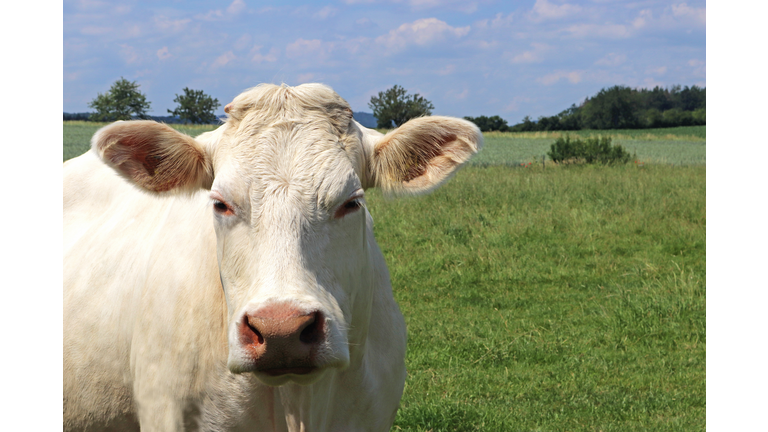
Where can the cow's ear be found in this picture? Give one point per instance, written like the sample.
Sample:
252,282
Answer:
154,156
421,154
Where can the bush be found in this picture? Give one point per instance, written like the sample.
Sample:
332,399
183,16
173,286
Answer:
591,150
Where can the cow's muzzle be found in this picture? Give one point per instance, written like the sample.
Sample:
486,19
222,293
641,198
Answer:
280,339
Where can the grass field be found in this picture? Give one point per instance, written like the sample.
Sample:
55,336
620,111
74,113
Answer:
558,299
552,300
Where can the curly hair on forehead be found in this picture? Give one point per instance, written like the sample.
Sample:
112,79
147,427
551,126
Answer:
266,103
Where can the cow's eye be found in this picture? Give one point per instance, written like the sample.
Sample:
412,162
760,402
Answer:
349,206
222,208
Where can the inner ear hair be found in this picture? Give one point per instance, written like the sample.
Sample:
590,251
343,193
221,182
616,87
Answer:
423,153
154,156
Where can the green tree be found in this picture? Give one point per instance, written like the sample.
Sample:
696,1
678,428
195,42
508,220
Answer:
396,105
123,101
195,107
487,124
527,125
612,108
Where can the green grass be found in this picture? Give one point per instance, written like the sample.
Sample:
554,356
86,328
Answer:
570,298
513,149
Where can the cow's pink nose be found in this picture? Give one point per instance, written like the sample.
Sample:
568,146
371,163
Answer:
281,339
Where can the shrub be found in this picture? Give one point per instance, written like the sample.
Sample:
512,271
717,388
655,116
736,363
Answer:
590,150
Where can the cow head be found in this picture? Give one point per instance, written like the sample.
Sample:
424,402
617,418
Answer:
287,175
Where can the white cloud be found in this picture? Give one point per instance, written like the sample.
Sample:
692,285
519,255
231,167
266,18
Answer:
355,46
163,53
676,16
447,70
399,72
544,10
167,24
95,31
421,32
129,54
682,10
416,5
485,45
642,20
211,15
609,31
242,42
460,5
302,47
650,83
526,57
498,21
325,13
90,5
72,76
612,59
223,59
533,56
258,57
574,77
661,70
236,7
306,78
514,105
699,68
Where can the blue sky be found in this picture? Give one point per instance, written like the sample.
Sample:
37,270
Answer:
469,57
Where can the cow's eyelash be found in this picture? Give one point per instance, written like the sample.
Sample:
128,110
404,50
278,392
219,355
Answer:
349,206
222,208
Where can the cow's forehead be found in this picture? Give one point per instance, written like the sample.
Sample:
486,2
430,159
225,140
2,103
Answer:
310,149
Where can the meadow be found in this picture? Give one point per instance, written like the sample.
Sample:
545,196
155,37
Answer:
557,298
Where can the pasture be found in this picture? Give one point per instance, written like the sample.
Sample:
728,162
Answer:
558,299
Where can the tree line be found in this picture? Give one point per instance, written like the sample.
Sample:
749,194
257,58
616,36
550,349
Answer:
618,107
124,101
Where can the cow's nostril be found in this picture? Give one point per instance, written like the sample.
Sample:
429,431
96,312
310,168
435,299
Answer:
312,333
259,338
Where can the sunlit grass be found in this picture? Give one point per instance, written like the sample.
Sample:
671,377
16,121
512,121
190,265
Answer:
571,298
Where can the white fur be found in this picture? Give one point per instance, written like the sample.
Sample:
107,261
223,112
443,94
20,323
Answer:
150,335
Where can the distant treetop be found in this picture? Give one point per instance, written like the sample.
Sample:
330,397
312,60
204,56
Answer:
123,101
396,106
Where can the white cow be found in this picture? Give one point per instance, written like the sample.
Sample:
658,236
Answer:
231,282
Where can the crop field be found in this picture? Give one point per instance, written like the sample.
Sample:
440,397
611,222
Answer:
565,298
